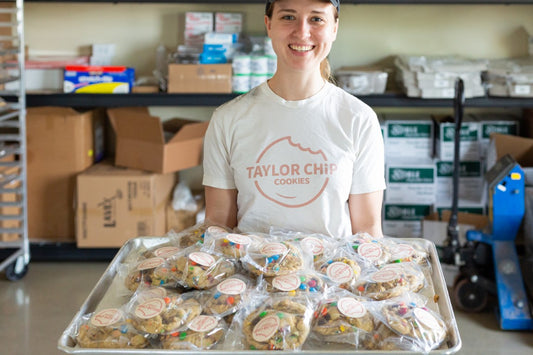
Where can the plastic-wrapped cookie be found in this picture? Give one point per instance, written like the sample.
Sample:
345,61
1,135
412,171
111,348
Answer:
164,314
391,281
273,258
228,296
109,329
281,325
150,272
342,271
373,250
406,252
164,251
423,326
200,270
231,245
201,333
295,283
343,319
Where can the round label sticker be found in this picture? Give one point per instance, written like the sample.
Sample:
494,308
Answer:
385,275
166,252
266,328
351,307
370,251
216,230
340,272
273,249
231,286
313,244
426,318
156,292
286,282
203,259
106,317
203,323
239,239
150,263
150,308
402,251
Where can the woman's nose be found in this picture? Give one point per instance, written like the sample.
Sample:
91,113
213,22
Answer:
302,28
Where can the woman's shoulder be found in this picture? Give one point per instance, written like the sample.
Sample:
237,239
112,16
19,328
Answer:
349,101
242,101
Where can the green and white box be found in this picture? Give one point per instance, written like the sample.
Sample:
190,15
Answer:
468,140
495,123
408,136
470,181
404,220
410,183
462,206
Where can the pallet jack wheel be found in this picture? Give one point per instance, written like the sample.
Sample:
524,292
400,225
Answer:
17,269
469,296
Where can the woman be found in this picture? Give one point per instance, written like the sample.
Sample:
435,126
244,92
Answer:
296,152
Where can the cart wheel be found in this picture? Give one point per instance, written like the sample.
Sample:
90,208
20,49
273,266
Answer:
469,296
17,269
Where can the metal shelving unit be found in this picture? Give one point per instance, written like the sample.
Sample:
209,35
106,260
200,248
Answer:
13,202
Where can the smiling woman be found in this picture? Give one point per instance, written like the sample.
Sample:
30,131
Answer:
297,151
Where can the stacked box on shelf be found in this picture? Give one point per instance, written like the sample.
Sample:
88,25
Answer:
469,146
434,77
495,123
510,77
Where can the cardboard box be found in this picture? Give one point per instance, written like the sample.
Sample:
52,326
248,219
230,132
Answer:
115,204
470,181
141,144
60,145
93,79
468,141
436,229
410,183
404,220
520,148
408,136
7,177
199,78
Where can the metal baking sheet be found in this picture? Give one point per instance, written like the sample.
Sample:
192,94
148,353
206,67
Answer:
109,289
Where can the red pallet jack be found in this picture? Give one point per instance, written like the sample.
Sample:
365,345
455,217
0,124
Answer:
488,262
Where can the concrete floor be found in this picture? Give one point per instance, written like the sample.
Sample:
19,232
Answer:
36,310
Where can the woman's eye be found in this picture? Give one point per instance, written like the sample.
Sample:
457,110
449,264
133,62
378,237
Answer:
317,19
287,17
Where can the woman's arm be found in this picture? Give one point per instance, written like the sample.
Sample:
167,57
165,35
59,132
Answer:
365,213
221,206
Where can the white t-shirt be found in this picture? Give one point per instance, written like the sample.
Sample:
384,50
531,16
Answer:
294,163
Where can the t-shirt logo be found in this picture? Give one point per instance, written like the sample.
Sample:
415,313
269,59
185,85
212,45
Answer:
289,174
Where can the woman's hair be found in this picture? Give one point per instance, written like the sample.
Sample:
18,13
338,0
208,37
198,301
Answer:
325,68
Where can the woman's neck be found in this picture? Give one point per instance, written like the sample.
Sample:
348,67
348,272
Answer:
295,86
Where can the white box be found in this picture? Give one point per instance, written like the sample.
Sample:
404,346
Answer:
408,136
404,220
38,80
468,144
103,49
196,25
470,181
410,183
228,22
497,123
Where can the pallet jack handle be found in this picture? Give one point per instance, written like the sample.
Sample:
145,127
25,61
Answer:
453,228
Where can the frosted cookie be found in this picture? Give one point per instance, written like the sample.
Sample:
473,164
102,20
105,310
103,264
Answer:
201,270
161,315
150,272
273,258
109,329
201,333
391,281
227,297
295,283
281,326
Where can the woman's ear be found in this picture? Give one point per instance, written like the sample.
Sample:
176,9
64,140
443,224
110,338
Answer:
267,24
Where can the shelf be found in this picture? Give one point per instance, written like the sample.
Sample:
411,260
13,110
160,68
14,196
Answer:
49,251
164,99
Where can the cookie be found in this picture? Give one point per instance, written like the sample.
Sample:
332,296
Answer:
406,252
424,327
295,283
233,245
161,315
109,329
345,315
192,236
201,333
164,251
274,258
201,270
227,297
391,281
149,272
282,326
342,271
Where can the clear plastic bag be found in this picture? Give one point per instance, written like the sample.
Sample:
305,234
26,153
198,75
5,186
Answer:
273,257
341,267
231,245
374,250
201,333
154,271
228,296
109,328
303,281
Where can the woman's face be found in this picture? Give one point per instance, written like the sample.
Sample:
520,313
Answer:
302,32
